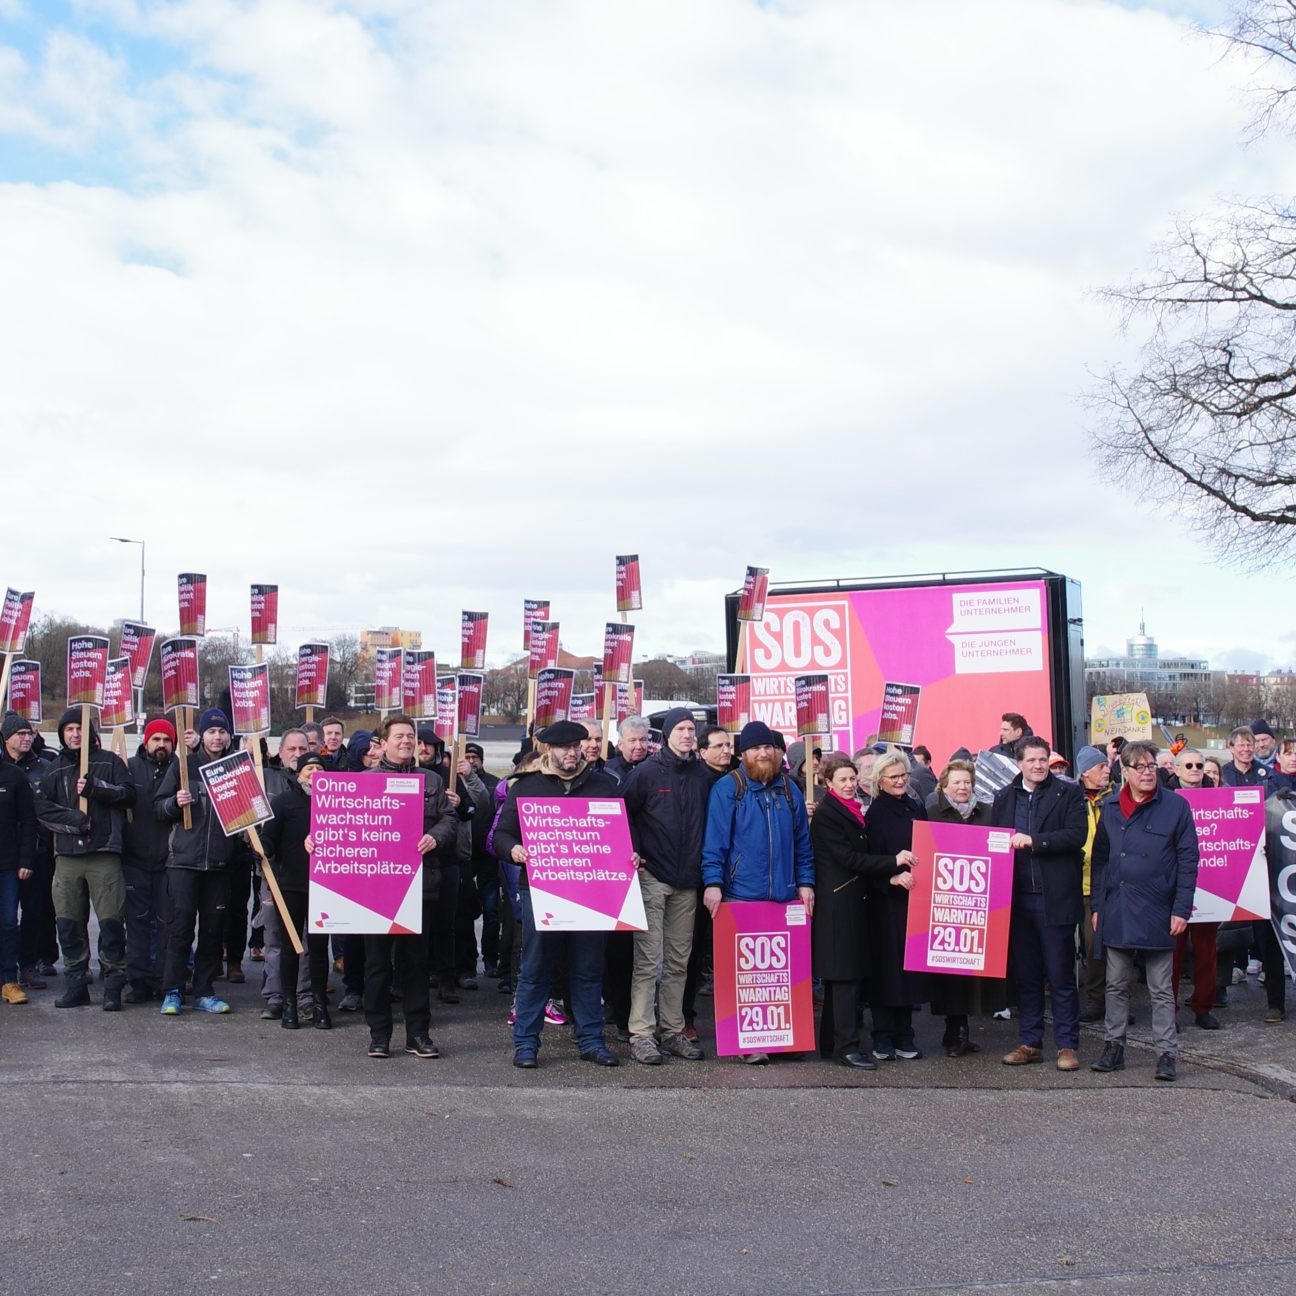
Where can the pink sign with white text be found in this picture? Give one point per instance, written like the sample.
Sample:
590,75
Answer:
1232,876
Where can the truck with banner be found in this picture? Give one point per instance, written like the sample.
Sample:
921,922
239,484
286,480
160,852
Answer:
930,659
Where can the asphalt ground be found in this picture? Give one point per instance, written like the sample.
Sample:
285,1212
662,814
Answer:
150,1155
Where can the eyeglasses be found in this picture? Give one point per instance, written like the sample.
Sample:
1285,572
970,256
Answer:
1143,769
1193,765
894,778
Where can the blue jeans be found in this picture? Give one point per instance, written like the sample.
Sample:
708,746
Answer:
540,951
1040,951
8,925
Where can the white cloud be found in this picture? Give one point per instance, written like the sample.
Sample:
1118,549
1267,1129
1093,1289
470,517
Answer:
488,293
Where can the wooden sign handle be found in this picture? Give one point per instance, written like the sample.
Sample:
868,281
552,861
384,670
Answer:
85,753
182,755
4,680
742,648
273,883
609,693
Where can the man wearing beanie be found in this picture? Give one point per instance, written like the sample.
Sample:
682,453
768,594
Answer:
197,870
562,772
757,841
666,801
17,857
1093,773
87,858
144,860
38,944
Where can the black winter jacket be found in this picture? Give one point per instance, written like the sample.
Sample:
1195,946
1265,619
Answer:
109,791
204,846
284,837
1059,826
17,819
147,838
666,801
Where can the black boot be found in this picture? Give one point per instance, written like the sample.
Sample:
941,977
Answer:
289,1019
960,1044
322,1019
75,994
113,986
1113,1057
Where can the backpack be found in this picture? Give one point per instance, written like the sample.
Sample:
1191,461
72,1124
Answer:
740,787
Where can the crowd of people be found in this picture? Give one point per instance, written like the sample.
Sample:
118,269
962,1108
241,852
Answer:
1104,870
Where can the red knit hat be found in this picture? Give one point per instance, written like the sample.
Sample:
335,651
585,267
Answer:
159,726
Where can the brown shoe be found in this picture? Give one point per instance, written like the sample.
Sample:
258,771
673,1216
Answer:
12,993
1023,1054
1067,1060
235,974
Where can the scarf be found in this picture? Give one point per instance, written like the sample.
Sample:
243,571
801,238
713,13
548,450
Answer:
852,805
1130,807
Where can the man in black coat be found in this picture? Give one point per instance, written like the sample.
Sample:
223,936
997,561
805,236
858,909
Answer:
87,858
563,772
666,801
1049,825
38,946
17,856
144,857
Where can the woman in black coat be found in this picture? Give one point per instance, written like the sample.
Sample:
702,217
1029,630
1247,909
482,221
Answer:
956,998
284,838
842,869
888,830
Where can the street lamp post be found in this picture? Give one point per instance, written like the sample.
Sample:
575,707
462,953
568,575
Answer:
139,695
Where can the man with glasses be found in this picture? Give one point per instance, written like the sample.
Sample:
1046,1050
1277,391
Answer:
1190,772
1049,825
1144,875
715,750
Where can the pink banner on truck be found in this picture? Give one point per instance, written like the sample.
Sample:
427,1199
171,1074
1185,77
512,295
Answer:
366,874
968,647
1232,876
961,900
579,864
764,998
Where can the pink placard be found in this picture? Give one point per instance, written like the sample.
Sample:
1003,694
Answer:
366,874
1232,876
579,864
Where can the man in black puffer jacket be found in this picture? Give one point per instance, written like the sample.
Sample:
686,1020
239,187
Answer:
666,801
87,858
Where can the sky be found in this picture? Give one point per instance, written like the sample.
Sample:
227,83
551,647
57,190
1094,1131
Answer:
413,307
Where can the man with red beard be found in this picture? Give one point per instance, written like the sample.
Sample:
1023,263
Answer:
757,844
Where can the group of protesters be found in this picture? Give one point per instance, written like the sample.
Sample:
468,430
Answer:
1104,872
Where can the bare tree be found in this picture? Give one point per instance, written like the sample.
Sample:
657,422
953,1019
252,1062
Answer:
1208,420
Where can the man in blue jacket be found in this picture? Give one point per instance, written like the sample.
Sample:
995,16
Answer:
1144,875
757,843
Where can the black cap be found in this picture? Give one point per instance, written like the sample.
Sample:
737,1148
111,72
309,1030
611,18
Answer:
474,749
311,758
563,734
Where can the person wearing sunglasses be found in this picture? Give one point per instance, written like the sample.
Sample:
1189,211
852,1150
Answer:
1190,772
1145,862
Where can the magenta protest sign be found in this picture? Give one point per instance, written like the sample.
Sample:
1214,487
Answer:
1232,877
250,698
755,590
961,900
312,674
265,614
419,684
812,712
118,708
543,652
191,591
553,696
388,668
447,708
533,610
366,874
472,640
618,647
584,706
470,704
629,583
733,702
237,797
137,644
764,998
898,719
15,617
179,659
87,670
579,864
25,691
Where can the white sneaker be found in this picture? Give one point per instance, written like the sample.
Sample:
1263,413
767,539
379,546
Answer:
1238,976
1254,967
1004,1014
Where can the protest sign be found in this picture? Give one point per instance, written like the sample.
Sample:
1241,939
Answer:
470,704
137,644
1280,846
544,648
250,698
447,708
472,640
532,610
179,660
366,874
579,864
265,614
626,705
553,696
584,707
419,684
755,590
629,586
811,692
1120,715
898,720
961,900
192,589
1232,880
87,670
733,702
237,797
388,686
25,691
15,618
118,709
618,648
764,998
312,676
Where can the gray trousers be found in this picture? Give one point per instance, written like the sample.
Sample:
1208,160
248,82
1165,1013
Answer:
267,916
1160,983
